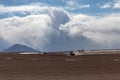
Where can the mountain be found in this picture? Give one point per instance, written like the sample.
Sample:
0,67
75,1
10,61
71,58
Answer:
20,48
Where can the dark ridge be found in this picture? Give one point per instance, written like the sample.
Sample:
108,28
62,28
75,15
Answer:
20,48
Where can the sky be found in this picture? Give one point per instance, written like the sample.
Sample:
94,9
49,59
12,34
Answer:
60,25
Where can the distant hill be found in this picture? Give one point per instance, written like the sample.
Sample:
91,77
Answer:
20,48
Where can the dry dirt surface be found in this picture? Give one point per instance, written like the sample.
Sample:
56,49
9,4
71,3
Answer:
59,67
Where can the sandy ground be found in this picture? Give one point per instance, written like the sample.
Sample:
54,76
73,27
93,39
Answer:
59,67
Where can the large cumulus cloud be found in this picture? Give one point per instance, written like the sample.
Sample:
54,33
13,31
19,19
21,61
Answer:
55,29
34,30
101,30
58,16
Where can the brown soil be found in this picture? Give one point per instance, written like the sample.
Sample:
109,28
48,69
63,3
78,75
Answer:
59,67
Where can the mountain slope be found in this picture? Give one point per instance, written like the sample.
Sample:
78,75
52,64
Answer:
20,48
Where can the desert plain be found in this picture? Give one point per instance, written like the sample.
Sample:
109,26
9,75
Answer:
14,66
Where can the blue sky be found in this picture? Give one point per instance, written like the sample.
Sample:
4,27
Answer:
94,7
52,2
55,25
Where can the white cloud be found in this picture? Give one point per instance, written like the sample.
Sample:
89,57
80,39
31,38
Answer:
57,29
33,9
74,4
32,30
85,6
107,5
59,16
76,25
117,4
36,8
104,30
